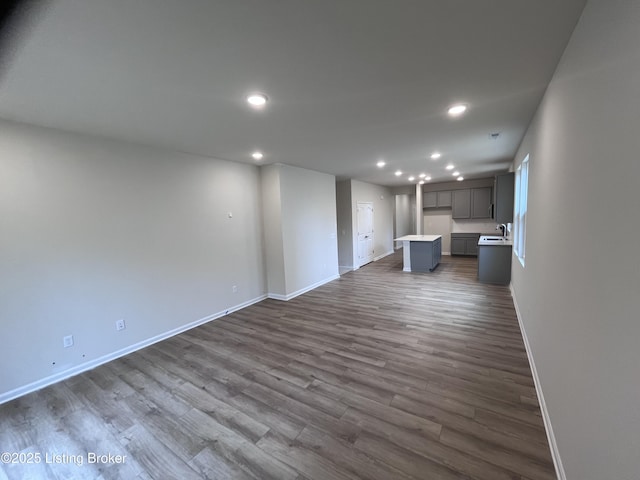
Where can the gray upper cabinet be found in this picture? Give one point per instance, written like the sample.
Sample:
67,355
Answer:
481,202
461,204
504,194
430,200
472,203
436,199
444,199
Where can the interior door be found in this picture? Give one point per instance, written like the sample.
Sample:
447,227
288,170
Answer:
364,214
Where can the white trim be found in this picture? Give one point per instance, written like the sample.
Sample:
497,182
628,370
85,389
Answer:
83,367
380,257
342,269
555,453
286,298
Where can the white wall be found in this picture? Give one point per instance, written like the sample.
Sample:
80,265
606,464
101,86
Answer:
578,293
94,231
383,208
438,222
300,229
345,224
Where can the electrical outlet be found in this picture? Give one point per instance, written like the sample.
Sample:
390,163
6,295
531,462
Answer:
234,289
120,324
67,341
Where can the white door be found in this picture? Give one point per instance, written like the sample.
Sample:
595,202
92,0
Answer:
364,214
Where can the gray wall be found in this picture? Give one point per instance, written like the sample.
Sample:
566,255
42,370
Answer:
349,193
404,224
94,231
345,224
309,228
301,248
578,293
383,202
272,228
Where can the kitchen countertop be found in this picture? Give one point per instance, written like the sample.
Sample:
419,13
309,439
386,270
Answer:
495,243
418,238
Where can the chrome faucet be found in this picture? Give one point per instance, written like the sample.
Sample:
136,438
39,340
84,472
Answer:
503,227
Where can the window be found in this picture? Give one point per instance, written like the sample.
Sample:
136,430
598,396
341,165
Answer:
520,219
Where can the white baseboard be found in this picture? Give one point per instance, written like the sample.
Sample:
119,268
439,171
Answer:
83,367
555,453
379,257
286,298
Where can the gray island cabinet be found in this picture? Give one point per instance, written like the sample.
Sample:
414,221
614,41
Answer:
420,253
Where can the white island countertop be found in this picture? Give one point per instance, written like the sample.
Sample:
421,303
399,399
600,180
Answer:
418,238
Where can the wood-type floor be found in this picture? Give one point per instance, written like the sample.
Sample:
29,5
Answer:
378,375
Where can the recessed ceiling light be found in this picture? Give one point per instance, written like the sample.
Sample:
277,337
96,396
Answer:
412,178
457,110
456,173
422,175
450,167
421,182
257,100
435,155
257,155
381,164
460,178
398,173
427,179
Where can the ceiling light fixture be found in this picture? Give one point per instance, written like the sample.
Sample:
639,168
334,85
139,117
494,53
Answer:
381,164
421,182
412,178
398,173
456,173
257,155
435,155
450,167
422,175
460,178
457,110
257,100
427,179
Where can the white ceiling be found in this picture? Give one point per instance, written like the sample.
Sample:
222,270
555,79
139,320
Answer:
349,81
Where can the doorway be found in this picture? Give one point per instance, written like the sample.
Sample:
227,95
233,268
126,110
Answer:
364,220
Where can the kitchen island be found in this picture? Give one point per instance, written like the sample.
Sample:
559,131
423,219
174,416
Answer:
420,253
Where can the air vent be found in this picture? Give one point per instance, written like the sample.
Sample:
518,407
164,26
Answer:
494,136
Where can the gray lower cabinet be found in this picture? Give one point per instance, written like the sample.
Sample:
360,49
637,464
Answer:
494,264
425,256
464,243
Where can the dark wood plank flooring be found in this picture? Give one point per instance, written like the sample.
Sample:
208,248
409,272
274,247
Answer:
378,375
